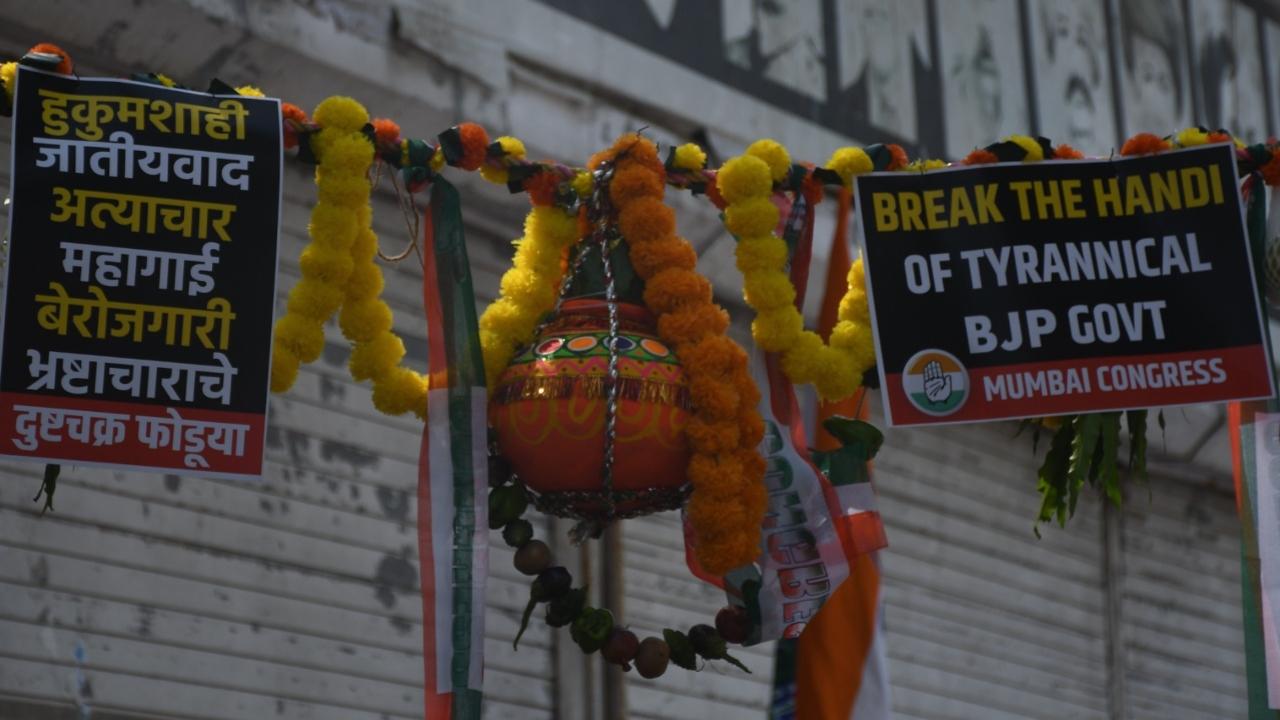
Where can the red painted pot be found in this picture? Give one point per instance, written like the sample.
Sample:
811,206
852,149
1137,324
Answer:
548,412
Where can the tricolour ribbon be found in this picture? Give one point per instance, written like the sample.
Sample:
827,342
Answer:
453,523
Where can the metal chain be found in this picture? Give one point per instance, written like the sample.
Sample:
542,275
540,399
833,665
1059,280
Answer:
599,206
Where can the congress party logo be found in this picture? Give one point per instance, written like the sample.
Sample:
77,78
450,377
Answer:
935,382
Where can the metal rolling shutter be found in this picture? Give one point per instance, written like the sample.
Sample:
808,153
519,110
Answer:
1183,640
983,619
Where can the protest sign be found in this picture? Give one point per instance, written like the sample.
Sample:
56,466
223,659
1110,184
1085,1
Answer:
140,277
1033,289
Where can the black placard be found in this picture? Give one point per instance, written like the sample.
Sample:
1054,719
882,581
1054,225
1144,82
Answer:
141,275
1022,290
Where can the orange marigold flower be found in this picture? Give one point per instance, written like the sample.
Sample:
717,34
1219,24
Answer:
387,131
1066,152
1271,170
980,156
899,157
719,518
713,397
633,181
715,354
631,147
715,472
542,188
1144,144
713,193
652,257
63,67
646,220
1220,136
292,116
690,324
674,288
747,389
750,425
711,436
475,145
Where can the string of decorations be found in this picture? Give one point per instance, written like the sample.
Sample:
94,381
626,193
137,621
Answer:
595,629
725,469
340,275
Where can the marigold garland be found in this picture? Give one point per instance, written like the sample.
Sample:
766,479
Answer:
338,271
528,289
725,469
835,368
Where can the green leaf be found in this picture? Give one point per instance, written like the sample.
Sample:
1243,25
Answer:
1109,470
1082,449
1052,477
48,486
591,630
524,623
682,653
1136,420
855,434
737,663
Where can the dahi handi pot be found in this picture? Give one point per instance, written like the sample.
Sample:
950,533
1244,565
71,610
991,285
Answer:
548,413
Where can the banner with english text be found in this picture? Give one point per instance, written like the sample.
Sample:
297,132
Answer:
140,276
1032,289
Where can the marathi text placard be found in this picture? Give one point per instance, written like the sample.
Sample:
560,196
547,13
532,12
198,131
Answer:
141,276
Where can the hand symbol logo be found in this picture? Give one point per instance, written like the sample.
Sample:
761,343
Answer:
937,385
935,382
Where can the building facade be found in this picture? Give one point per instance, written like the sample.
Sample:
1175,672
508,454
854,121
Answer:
167,596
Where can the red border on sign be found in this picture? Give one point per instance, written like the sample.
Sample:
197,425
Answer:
1245,368
59,445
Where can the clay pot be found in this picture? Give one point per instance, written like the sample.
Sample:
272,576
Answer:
548,413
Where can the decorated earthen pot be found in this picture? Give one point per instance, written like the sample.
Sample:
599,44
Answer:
548,413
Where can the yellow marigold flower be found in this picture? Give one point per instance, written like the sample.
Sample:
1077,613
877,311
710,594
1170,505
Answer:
774,155
511,148
744,177
341,113
314,299
834,381
284,369
583,183
848,162
1035,153
437,160
363,320
768,289
926,165
400,391
763,252
246,90
370,360
167,81
775,330
1191,137
748,218
9,74
690,157
302,337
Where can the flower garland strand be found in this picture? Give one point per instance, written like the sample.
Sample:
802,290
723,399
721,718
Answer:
746,184
726,470
339,271
528,289
344,158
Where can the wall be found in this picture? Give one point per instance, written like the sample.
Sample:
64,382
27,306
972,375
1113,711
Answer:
150,596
